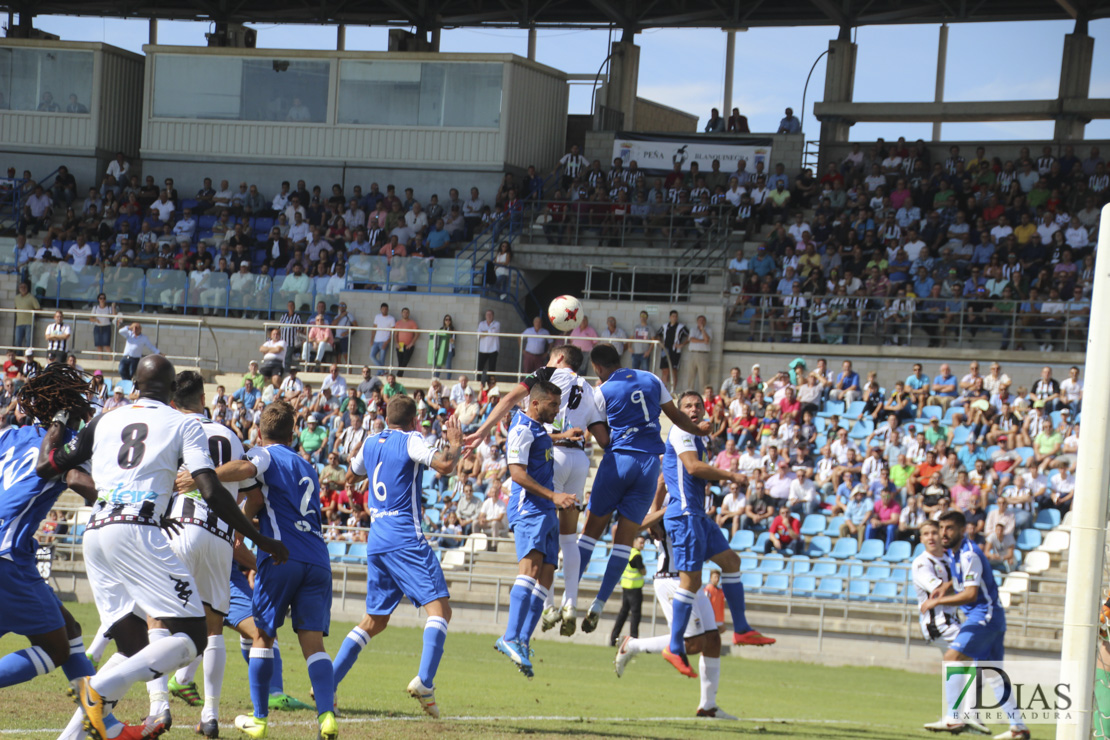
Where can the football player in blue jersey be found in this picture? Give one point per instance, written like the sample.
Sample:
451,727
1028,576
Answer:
695,537
983,630
533,518
283,490
30,607
626,478
399,560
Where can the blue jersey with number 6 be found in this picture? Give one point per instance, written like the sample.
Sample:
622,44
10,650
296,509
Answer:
632,405
291,491
394,462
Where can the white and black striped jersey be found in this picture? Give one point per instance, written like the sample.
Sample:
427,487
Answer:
579,405
664,554
928,573
190,508
136,451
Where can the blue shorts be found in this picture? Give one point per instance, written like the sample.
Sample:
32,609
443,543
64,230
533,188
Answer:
538,532
30,606
694,540
413,572
980,641
301,588
625,482
241,607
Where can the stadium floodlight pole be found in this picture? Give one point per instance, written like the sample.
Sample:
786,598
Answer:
1088,528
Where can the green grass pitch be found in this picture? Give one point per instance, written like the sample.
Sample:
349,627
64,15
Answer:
575,693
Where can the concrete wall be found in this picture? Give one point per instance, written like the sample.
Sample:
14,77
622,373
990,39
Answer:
652,116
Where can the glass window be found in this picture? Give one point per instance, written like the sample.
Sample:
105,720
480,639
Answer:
238,89
432,94
47,80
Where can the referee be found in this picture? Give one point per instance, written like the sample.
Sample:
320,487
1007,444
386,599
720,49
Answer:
289,331
632,593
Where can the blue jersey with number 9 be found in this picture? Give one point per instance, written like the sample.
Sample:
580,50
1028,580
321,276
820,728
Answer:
632,406
393,462
291,491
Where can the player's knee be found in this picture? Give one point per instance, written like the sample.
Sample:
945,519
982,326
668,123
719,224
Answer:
712,648
695,645
729,561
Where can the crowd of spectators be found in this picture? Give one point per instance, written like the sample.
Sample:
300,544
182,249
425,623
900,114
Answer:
884,460
888,239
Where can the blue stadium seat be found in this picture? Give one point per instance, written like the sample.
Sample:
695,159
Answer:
885,592
356,553
760,540
773,563
961,436
595,570
823,568
428,479
337,550
950,414
846,547
821,423
127,386
752,581
855,409
776,583
877,572
830,588
862,429
1026,454
800,565
917,550
819,546
814,524
898,552
748,563
205,222
833,407
742,540
858,590
433,515
850,570
601,552
871,550
833,530
804,586
1029,539
1047,519
262,223
930,412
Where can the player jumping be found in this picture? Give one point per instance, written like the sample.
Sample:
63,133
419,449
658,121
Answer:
399,560
579,411
980,637
532,517
133,571
626,479
284,491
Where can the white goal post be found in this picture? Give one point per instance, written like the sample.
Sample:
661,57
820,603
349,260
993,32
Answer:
1088,520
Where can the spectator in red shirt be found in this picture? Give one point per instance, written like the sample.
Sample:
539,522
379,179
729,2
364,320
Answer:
785,533
790,407
12,366
883,524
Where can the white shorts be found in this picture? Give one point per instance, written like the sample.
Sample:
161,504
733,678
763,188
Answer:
571,468
133,570
208,558
702,619
947,634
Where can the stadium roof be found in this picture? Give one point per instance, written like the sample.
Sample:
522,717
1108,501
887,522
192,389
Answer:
632,15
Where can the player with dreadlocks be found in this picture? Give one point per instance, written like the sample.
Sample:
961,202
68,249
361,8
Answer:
30,607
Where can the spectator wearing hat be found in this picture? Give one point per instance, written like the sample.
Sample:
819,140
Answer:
314,438
857,514
117,400
468,411
30,367
254,375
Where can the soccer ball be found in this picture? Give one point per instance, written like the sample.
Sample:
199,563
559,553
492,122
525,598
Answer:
564,313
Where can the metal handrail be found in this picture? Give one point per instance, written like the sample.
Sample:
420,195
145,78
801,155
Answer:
680,278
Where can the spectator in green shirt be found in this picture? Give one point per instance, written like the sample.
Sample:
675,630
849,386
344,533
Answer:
254,376
314,438
392,387
900,474
352,403
935,432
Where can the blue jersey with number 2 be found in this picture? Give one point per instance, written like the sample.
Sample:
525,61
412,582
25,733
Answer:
291,490
632,406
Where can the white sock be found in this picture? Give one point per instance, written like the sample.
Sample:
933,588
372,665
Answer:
188,674
159,688
163,656
572,560
952,688
99,643
597,605
549,602
648,644
709,673
1009,706
215,659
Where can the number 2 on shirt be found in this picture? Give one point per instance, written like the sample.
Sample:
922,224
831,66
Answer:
638,397
306,499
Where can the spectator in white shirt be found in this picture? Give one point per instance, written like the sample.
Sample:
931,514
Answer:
534,345
382,337
458,391
732,508
491,516
803,493
186,227
164,207
1071,390
133,349
119,167
489,344
615,335
57,335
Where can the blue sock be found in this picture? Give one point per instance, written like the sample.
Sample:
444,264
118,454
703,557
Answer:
23,665
586,547
322,677
733,590
520,599
260,671
78,664
435,635
532,617
682,605
618,560
345,659
277,683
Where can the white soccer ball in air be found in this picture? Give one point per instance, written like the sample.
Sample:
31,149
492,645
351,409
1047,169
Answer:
565,312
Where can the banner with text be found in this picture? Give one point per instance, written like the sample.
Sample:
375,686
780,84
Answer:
657,154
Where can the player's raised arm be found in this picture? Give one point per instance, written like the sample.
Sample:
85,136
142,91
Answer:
503,407
445,460
236,471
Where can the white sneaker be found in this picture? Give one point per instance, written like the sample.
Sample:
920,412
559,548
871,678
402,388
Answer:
976,726
715,713
427,697
945,725
620,662
1014,733
550,617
